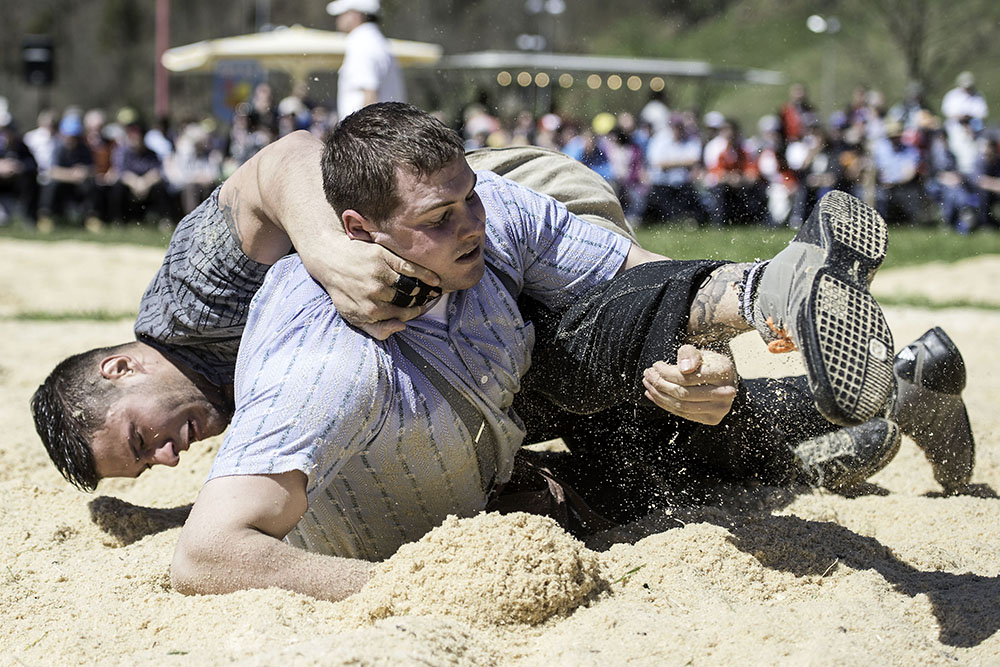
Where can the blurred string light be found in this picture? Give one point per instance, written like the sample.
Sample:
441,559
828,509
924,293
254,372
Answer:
527,42
536,42
553,7
567,80
823,24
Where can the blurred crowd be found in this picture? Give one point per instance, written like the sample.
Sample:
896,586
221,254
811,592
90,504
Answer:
916,163
84,167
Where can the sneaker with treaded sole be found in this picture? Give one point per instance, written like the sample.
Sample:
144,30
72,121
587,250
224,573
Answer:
847,456
813,296
930,376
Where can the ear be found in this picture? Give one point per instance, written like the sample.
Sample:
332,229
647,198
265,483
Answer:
118,366
358,227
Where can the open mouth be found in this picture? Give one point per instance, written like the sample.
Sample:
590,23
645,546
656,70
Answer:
471,255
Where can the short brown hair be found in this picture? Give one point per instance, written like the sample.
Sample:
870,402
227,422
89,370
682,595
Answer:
362,154
69,407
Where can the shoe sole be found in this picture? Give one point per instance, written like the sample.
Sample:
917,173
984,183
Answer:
844,338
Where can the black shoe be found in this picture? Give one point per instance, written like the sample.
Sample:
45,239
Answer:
813,296
847,456
930,375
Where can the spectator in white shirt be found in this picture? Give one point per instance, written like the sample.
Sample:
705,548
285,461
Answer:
964,101
43,142
369,72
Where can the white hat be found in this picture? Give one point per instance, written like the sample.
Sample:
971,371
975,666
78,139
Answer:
714,120
338,7
290,106
769,123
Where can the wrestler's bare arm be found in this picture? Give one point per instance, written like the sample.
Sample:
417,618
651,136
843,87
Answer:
275,200
232,541
638,255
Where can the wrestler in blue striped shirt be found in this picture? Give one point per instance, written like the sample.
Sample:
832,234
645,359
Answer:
386,456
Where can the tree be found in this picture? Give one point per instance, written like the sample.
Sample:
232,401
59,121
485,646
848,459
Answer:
935,36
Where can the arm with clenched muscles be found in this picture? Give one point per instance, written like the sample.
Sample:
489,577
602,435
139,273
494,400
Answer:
275,200
232,541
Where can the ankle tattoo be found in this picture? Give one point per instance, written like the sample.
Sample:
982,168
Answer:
711,321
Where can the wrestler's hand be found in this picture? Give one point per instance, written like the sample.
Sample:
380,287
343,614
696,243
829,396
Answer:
363,288
700,387
292,211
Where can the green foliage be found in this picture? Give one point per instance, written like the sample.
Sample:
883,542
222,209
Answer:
695,11
119,19
881,44
41,21
105,51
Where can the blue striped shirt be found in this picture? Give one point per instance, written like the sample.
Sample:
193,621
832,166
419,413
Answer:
387,458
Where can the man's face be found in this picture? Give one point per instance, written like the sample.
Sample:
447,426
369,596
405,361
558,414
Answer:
133,136
159,413
349,20
440,225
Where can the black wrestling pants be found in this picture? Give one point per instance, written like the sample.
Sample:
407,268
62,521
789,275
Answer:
584,385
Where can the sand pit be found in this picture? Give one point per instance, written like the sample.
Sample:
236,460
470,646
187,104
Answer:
892,573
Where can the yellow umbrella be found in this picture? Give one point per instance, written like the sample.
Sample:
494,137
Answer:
295,50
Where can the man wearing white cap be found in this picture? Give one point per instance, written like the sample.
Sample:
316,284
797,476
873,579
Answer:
369,73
